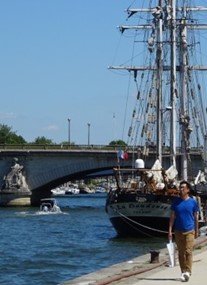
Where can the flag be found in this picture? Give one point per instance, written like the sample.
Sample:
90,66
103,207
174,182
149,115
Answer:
126,156
122,154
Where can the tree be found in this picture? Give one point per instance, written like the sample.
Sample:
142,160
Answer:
67,143
15,139
118,142
43,140
7,136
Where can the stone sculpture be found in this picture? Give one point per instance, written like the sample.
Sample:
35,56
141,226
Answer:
15,180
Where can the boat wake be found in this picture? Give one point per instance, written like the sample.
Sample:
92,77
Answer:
40,213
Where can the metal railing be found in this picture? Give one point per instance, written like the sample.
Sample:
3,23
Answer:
92,147
59,147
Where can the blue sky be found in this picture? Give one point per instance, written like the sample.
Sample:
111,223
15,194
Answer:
53,66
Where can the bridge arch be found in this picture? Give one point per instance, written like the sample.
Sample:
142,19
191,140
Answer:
45,169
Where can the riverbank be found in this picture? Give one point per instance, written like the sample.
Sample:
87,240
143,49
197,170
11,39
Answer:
141,269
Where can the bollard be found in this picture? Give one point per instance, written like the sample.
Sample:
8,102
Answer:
154,256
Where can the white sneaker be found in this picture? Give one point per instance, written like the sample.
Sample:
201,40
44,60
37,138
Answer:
182,278
186,275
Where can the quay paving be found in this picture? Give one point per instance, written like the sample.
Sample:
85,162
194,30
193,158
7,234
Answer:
141,271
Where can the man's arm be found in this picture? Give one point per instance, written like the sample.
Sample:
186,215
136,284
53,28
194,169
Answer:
196,224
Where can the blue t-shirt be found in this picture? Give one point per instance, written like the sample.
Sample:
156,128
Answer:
184,213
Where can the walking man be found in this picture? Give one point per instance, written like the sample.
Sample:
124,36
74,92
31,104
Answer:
184,222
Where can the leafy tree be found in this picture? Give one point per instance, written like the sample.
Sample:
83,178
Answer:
15,139
118,142
7,136
43,140
66,143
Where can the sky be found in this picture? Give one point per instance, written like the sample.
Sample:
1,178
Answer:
54,56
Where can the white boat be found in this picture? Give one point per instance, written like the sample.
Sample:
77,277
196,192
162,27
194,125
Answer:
168,121
72,189
100,189
58,191
49,205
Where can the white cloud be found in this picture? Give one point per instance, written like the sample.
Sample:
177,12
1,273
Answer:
8,115
50,128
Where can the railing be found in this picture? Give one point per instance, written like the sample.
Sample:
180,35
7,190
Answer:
60,147
72,147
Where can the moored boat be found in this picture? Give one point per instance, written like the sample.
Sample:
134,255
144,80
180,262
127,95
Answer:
168,120
72,189
100,189
58,191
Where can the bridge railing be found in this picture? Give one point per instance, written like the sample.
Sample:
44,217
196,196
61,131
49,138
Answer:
92,147
60,147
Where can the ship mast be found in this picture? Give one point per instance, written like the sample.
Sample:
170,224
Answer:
184,117
169,19
159,84
184,68
173,84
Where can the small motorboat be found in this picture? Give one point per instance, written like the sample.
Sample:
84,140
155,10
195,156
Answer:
49,205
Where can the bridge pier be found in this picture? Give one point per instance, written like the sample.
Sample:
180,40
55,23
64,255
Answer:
39,194
15,199
18,198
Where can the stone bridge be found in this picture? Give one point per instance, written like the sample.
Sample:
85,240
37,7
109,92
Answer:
44,169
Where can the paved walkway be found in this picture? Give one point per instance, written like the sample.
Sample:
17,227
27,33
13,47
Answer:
168,276
140,271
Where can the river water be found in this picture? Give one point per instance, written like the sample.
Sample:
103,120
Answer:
48,249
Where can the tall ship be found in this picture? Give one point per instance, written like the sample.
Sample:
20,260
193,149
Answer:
167,135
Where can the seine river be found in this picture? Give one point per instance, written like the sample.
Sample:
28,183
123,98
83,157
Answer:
48,249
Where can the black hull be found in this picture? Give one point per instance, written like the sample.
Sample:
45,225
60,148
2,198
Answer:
139,215
141,227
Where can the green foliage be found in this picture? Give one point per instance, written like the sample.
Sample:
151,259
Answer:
7,136
15,139
43,140
118,142
67,143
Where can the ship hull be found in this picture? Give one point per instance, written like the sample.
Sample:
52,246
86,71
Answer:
137,215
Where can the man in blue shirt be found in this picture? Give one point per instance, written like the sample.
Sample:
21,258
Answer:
184,221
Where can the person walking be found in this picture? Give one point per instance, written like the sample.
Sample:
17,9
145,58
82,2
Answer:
184,221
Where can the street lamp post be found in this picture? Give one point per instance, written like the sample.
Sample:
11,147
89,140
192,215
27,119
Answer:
69,131
89,134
